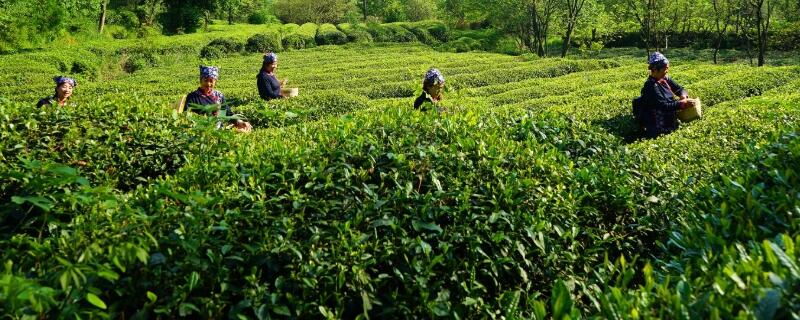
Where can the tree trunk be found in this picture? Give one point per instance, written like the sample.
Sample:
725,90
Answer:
230,15
151,14
749,44
365,11
575,7
720,37
101,24
763,31
762,50
566,41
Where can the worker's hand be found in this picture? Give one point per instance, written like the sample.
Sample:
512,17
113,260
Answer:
284,82
687,103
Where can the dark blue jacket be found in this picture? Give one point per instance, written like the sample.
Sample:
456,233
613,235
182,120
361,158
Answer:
268,86
199,98
659,98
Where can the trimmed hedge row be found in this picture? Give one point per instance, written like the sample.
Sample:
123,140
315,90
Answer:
356,33
329,34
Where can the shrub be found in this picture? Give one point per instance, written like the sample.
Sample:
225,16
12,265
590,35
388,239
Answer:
437,29
421,34
296,41
328,34
117,32
378,32
147,32
464,44
227,44
508,45
400,34
219,48
300,37
84,67
355,33
263,42
289,28
390,33
141,59
308,29
209,53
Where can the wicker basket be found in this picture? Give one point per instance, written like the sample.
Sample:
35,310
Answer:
180,105
691,113
290,92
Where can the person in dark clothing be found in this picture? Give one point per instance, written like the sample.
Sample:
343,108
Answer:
64,87
268,85
661,99
432,90
206,95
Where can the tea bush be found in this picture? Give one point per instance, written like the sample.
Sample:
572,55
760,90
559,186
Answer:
355,33
264,42
390,33
300,37
222,47
328,34
528,195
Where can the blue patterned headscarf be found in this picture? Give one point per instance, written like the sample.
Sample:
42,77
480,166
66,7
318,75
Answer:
433,77
270,57
657,61
209,72
59,80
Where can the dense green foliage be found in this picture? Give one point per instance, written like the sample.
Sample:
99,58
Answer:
543,27
527,197
329,34
265,42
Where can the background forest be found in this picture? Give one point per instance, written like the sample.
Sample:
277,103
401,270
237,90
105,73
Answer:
543,27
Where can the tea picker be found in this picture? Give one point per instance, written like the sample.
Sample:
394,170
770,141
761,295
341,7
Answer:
206,96
269,87
63,91
663,101
432,91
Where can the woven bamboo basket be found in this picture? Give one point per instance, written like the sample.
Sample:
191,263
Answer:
290,92
691,113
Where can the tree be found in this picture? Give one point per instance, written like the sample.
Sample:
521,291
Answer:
457,10
103,10
762,15
317,11
184,15
649,14
24,24
417,10
540,13
528,20
230,7
574,8
723,16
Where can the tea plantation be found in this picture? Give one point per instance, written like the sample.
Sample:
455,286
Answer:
528,197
